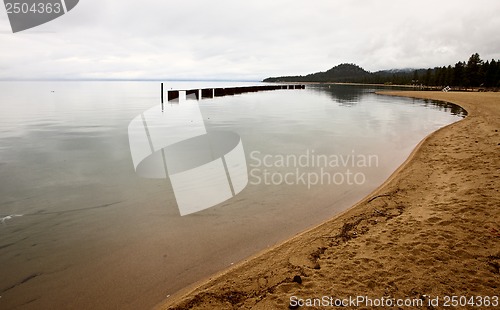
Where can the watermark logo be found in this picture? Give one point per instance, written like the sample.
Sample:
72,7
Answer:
205,168
310,168
26,14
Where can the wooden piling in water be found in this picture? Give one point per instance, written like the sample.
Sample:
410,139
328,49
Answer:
219,92
172,95
191,92
239,90
207,93
161,92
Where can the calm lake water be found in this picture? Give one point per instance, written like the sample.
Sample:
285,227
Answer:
81,229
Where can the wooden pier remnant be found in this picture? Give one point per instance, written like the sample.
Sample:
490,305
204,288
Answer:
161,92
205,93
219,92
193,94
172,95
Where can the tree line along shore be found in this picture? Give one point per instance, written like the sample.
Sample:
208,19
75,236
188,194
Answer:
474,74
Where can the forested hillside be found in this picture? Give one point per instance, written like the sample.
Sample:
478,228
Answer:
464,74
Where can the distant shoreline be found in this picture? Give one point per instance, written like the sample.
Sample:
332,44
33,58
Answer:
413,87
436,218
340,83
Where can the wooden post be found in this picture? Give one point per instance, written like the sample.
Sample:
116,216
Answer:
172,95
161,92
207,93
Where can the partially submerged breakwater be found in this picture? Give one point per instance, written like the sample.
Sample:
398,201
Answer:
207,93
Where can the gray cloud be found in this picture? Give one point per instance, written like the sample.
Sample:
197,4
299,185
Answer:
247,40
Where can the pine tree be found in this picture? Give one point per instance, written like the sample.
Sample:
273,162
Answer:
459,75
492,77
427,77
473,70
448,76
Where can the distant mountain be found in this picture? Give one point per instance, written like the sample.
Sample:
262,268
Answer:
463,75
341,73
351,73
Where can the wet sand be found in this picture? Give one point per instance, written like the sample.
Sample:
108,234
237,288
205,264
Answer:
432,229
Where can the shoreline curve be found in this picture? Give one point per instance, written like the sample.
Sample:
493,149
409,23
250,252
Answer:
405,226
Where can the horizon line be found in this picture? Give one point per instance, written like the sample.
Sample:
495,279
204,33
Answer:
125,80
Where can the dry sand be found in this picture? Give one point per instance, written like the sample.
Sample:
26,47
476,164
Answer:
432,229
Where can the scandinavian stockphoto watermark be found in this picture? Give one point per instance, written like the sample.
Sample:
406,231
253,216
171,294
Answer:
422,302
355,301
206,167
310,168
26,14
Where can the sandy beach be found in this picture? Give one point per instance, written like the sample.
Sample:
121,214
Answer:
431,230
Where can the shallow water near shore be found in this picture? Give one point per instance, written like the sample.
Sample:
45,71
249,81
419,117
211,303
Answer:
80,229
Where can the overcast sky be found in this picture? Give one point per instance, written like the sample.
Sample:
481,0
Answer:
231,39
